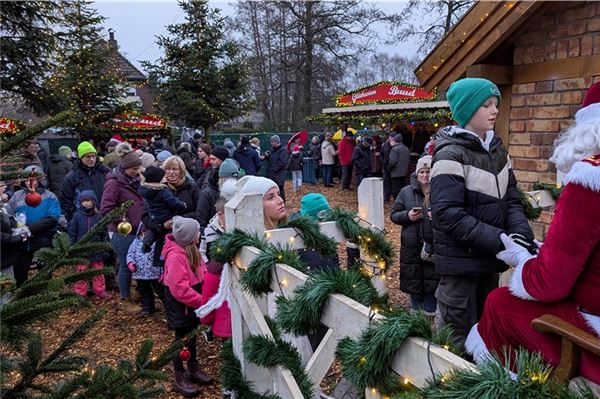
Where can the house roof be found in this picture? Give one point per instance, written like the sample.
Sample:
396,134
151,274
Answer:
475,36
131,72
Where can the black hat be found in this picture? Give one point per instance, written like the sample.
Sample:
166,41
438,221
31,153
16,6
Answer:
153,174
197,136
244,140
220,152
368,140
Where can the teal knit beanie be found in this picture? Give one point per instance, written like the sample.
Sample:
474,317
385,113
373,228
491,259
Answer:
465,96
314,205
84,148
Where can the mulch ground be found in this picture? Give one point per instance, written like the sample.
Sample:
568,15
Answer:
118,334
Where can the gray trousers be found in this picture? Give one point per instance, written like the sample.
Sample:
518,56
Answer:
460,302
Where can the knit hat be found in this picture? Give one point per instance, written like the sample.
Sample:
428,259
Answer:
147,159
220,152
129,158
64,150
368,140
590,108
275,138
197,136
153,174
185,230
423,162
229,168
33,169
84,148
255,185
112,143
244,140
314,205
465,96
296,149
163,155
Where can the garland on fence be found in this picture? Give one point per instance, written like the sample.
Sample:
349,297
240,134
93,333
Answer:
531,213
270,352
554,191
302,313
310,232
367,360
490,381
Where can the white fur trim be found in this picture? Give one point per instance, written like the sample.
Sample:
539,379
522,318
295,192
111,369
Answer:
516,286
475,346
586,175
589,114
592,321
217,301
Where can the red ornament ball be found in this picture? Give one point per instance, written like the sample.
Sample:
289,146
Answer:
184,354
33,199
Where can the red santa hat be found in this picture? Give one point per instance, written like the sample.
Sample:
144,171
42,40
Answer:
590,108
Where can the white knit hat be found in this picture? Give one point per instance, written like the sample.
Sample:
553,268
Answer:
423,162
254,185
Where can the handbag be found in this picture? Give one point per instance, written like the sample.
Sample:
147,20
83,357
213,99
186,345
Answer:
427,254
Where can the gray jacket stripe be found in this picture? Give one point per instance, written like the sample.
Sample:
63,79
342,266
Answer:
447,167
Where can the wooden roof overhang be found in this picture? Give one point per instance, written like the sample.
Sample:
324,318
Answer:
386,107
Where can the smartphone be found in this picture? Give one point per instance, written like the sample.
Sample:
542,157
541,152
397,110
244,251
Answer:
417,209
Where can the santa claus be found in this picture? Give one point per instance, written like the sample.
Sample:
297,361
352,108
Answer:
563,279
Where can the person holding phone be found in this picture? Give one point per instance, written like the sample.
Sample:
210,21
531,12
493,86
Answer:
417,270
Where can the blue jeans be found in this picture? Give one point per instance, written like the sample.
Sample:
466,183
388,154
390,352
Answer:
120,244
296,179
327,174
427,302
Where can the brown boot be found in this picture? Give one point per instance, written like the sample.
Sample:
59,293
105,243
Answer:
183,386
196,376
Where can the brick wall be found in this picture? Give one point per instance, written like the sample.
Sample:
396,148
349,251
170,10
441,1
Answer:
541,110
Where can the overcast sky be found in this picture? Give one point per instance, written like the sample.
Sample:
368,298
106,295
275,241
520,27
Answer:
136,23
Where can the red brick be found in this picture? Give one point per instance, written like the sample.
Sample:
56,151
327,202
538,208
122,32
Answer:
547,20
544,87
526,176
543,99
543,138
528,55
567,124
532,38
574,47
586,45
551,112
538,53
525,88
576,14
596,45
593,25
518,56
550,52
572,84
520,113
517,101
571,97
562,48
542,126
546,151
559,31
545,217
517,126
519,138
524,151
538,165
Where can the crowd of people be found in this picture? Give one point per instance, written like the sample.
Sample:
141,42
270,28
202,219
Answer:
461,215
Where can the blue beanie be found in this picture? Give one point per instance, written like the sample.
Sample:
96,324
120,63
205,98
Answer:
314,205
465,96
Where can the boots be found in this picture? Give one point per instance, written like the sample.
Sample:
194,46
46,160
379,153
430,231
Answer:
182,385
193,374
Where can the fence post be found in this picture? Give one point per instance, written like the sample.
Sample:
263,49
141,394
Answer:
370,208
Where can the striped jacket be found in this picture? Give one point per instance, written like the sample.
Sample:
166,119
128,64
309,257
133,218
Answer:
474,198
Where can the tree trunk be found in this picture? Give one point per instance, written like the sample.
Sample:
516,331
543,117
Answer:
308,65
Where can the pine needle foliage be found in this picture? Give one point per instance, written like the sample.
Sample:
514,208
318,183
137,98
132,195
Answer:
310,232
531,213
233,379
270,352
301,313
226,246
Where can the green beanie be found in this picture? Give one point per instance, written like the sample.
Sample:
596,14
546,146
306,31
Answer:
64,150
465,96
84,148
314,205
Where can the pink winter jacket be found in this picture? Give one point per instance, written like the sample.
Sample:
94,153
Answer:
220,318
179,276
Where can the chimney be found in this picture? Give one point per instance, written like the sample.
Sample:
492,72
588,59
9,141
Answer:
111,39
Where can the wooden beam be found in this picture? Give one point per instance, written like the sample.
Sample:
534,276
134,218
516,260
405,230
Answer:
499,74
323,358
558,69
503,120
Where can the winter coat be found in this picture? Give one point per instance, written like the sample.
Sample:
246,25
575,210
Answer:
328,153
183,287
111,160
277,165
314,151
416,275
44,159
78,179
160,201
83,220
200,172
207,199
295,163
361,159
474,198
145,268
220,318
248,159
386,148
398,160
118,189
346,150
210,234
187,159
10,242
58,169
41,220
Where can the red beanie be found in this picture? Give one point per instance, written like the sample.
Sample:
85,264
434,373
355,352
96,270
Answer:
590,108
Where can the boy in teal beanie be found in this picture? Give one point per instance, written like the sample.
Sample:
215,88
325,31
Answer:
474,199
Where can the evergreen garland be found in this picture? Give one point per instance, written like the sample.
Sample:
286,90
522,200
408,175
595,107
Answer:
267,352
225,247
302,313
531,213
366,361
554,191
312,236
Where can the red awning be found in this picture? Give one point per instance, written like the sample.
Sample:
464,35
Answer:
10,126
137,122
385,93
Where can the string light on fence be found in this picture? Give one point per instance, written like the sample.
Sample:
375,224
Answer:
406,381
268,234
284,282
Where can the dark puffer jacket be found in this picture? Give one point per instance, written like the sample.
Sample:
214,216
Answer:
58,168
207,199
83,220
79,179
416,275
248,159
474,198
277,165
361,159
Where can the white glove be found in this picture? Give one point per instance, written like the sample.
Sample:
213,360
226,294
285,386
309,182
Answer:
513,254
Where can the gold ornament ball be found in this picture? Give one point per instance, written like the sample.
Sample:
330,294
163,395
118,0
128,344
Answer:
124,228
